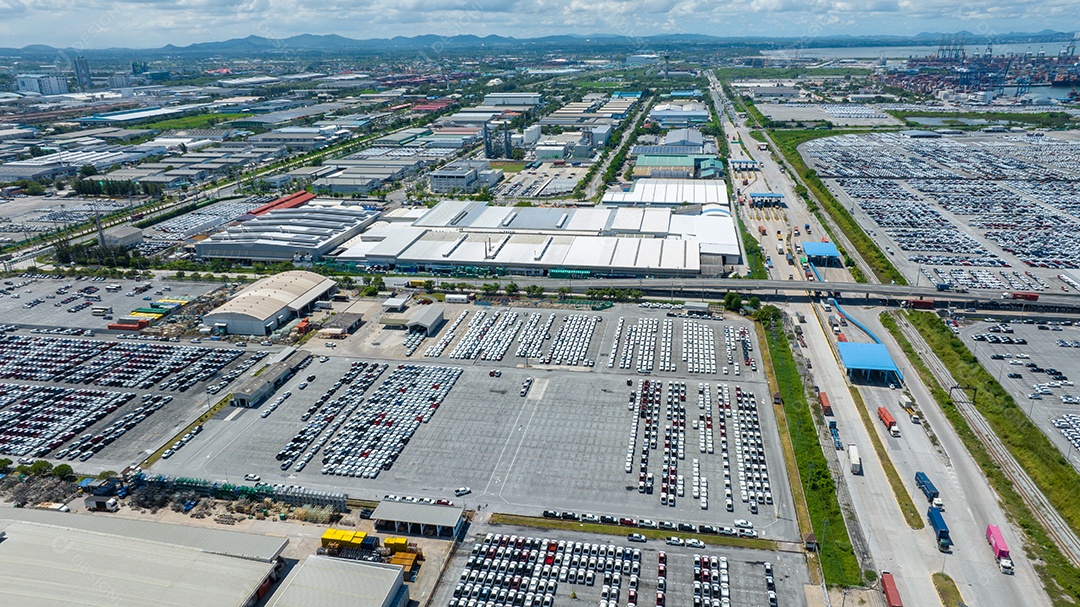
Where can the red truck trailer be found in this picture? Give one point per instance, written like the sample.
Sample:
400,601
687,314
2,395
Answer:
888,586
889,421
826,406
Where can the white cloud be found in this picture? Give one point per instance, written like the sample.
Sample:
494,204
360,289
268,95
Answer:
153,23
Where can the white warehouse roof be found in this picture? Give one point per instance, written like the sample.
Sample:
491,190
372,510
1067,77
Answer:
672,192
263,299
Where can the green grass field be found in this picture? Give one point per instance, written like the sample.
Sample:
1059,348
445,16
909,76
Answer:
198,121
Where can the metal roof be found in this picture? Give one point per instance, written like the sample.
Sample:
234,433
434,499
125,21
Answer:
266,297
423,514
53,558
866,357
331,582
820,249
429,317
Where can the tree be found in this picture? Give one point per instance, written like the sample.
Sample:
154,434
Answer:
107,474
767,315
534,291
87,170
732,301
489,288
511,288
755,302
40,468
429,285
5,464
63,471
563,292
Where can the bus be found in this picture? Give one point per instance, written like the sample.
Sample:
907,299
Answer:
101,310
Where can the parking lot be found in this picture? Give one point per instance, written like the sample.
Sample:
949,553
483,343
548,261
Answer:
1003,205
546,181
1026,370
46,302
102,403
26,216
548,436
538,567
845,114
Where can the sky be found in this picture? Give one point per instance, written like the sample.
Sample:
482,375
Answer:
84,24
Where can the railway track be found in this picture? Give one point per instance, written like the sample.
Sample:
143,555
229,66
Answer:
1040,506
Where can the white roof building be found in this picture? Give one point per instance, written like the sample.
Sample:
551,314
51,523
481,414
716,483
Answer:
270,302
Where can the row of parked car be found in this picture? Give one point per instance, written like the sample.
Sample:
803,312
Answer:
40,419
742,527
376,433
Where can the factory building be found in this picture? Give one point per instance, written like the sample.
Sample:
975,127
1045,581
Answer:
130,563
512,99
270,302
638,241
774,93
679,114
302,234
123,236
334,582
466,176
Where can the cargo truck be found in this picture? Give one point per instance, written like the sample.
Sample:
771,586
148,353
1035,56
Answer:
929,490
941,530
888,586
1027,296
889,421
761,230
826,406
1000,548
100,503
53,506
807,226
943,286
856,461
921,304
908,406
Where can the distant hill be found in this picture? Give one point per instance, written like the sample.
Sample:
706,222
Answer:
333,43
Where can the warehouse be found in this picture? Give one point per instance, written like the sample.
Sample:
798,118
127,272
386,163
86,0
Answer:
300,234
268,303
428,321
676,115
123,236
332,582
531,240
419,518
671,192
52,558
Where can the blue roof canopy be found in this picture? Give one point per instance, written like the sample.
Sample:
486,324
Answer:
820,249
867,357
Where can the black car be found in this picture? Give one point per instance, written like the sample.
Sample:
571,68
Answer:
608,520
1014,376
551,514
688,527
570,516
706,529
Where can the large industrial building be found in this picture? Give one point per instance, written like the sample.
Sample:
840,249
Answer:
53,558
298,234
637,241
268,303
466,176
332,582
679,114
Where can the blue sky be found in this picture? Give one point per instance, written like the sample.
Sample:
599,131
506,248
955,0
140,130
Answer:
153,23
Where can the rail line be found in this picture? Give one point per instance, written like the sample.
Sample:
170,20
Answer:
1040,506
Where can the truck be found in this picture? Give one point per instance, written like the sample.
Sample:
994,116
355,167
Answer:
929,490
1024,295
889,421
416,283
826,406
888,587
101,503
790,260
943,286
807,227
920,304
940,529
57,506
856,461
779,249
840,337
101,310
1000,548
909,406
833,322
761,230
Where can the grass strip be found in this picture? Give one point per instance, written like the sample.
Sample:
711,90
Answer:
499,518
1058,575
903,498
947,590
211,412
838,561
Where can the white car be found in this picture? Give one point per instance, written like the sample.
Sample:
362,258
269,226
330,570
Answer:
675,541
460,491
743,523
252,477
695,543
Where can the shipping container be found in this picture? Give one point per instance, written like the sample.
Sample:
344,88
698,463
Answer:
920,304
1000,548
889,421
888,587
826,406
841,337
